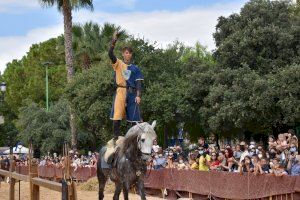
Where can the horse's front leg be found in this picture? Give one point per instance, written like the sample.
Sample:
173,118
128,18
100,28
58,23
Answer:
126,188
117,191
141,189
102,178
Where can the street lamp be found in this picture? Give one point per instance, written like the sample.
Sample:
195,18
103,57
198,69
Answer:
19,146
3,87
46,65
3,90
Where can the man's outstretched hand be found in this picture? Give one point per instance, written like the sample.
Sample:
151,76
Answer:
115,37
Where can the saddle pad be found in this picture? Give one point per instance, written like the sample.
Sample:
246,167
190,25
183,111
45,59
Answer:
110,148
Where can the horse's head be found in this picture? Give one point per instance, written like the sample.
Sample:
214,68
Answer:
145,136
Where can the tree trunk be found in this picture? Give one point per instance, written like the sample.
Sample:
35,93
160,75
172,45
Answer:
86,61
67,13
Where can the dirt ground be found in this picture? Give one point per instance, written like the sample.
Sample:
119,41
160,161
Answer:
46,194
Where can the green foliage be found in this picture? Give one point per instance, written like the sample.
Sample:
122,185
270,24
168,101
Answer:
46,130
90,41
8,133
25,78
90,94
263,37
75,4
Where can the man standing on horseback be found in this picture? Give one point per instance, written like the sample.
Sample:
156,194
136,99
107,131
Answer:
128,81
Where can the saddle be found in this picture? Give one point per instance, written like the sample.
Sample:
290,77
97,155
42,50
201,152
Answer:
111,148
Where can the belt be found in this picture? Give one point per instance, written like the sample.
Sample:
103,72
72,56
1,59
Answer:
129,89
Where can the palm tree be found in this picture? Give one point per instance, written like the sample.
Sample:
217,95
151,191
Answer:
90,42
66,7
87,43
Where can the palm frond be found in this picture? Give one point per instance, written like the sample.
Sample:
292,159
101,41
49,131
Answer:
77,4
47,3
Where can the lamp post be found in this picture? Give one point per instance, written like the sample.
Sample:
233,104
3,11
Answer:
3,90
19,146
3,87
46,65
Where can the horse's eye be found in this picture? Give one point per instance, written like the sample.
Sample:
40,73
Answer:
143,140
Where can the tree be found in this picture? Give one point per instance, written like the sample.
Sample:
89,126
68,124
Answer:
66,6
264,36
91,42
25,78
165,94
46,130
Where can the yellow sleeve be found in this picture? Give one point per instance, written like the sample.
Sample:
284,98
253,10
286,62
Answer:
208,158
116,65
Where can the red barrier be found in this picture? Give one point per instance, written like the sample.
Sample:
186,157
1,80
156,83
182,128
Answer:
223,184
217,184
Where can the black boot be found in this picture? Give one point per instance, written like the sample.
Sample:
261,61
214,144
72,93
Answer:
116,129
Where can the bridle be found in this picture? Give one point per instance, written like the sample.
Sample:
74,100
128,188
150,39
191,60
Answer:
139,146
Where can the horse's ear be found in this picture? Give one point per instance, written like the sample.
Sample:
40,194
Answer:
153,124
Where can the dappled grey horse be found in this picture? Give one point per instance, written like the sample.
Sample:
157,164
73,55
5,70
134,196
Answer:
128,167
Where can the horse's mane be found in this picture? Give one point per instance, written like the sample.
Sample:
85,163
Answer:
130,144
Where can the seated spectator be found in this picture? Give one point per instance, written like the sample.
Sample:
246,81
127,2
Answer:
170,162
293,143
193,162
294,165
201,143
244,150
171,154
257,166
215,163
237,152
265,166
155,146
204,160
272,153
272,143
159,161
246,165
222,160
229,159
281,143
181,164
278,169
284,156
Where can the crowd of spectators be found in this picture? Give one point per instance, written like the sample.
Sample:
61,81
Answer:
77,160
278,156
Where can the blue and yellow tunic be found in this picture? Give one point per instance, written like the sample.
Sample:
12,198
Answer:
126,77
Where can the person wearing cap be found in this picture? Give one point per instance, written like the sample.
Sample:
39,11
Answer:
128,82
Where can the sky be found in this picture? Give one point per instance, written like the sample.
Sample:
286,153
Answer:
25,22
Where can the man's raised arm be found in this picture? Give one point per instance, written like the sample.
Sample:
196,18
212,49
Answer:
111,54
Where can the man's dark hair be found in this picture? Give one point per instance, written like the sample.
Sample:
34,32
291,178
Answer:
127,48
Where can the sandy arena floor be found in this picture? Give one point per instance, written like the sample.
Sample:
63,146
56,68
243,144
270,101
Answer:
46,194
